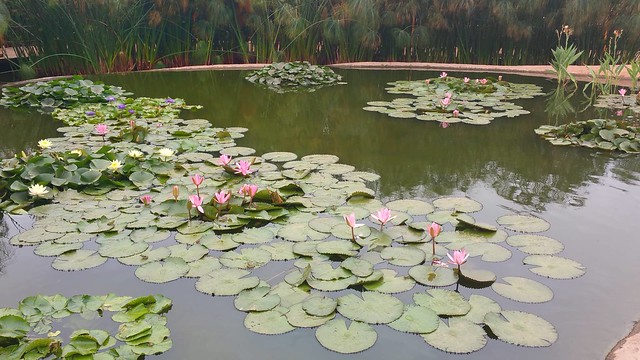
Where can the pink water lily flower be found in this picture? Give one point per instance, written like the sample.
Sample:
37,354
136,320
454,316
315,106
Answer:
434,229
619,113
444,124
459,257
448,95
175,191
382,216
483,81
196,202
445,102
351,221
427,81
622,91
145,199
443,75
243,167
466,80
221,197
248,190
224,160
102,129
456,112
197,179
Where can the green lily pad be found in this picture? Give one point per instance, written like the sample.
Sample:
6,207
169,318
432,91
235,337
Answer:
223,242
55,249
122,248
488,251
338,247
148,256
403,256
149,235
390,283
416,319
554,267
253,236
342,231
358,267
373,308
521,328
78,260
271,322
188,253
460,336
298,317
443,302
411,206
168,269
480,306
324,271
320,306
535,244
471,236
280,250
523,223
33,237
13,327
459,204
249,258
335,336
280,156
300,232
332,285
256,299
523,290
433,275
289,294
225,282
201,267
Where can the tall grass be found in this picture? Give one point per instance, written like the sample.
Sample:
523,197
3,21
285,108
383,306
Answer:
62,36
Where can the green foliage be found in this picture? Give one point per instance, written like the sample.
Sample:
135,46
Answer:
63,93
142,330
294,76
597,133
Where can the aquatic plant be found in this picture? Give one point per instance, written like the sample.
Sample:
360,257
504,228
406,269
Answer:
563,56
28,330
597,133
294,76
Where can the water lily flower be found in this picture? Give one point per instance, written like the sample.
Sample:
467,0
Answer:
102,129
445,102
459,257
145,199
196,202
351,222
434,230
443,75
166,153
136,154
224,160
197,179
115,165
131,111
37,190
448,95
483,81
619,112
456,112
221,197
110,98
90,113
122,106
444,124
383,216
477,81
249,190
169,101
427,81
132,123
622,91
466,80
44,144
76,152
175,191
499,77
243,167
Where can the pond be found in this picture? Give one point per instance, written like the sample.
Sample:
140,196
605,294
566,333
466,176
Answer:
589,197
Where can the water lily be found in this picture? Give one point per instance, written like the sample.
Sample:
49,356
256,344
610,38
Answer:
456,112
76,152
443,75
427,81
445,102
136,154
221,197
132,123
382,216
243,167
434,230
102,129
351,222
249,190
44,144
166,153
122,106
169,101
224,160
110,98
131,111
197,179
466,80
145,199
483,81
619,112
622,91
115,165
37,190
459,257
448,95
196,202
444,124
175,191
90,113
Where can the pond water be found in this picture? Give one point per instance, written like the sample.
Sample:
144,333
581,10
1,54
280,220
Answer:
590,198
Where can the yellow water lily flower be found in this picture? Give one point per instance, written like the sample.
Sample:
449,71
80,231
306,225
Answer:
77,152
37,190
166,153
44,144
115,165
136,154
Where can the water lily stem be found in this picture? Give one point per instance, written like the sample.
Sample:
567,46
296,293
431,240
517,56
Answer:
433,243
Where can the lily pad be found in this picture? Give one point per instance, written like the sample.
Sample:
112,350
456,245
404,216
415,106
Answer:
416,319
554,267
459,204
523,290
411,206
523,223
390,283
78,260
460,336
298,317
320,306
248,258
373,308
271,322
521,328
443,302
403,255
335,336
535,244
433,275
225,282
256,299
168,269
480,306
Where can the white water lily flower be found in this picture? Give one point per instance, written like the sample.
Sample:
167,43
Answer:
115,165
37,190
45,144
136,154
166,153
77,152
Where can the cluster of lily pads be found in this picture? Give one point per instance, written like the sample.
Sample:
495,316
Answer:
26,332
596,133
294,76
61,93
448,99
620,101
208,209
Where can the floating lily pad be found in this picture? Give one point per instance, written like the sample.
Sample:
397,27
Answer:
256,299
188,253
523,223
338,247
390,283
279,156
289,294
416,319
535,244
122,248
523,290
54,249
248,258
280,250
298,317
459,204
411,206
403,256
373,308
433,275
443,302
203,266
148,256
78,260
521,328
271,322
460,336
320,306
225,282
335,336
480,306
554,267
300,232
168,269
358,267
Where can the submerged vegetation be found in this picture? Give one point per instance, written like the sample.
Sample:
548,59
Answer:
123,35
184,201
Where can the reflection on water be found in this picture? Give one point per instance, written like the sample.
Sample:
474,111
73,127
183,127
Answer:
6,250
